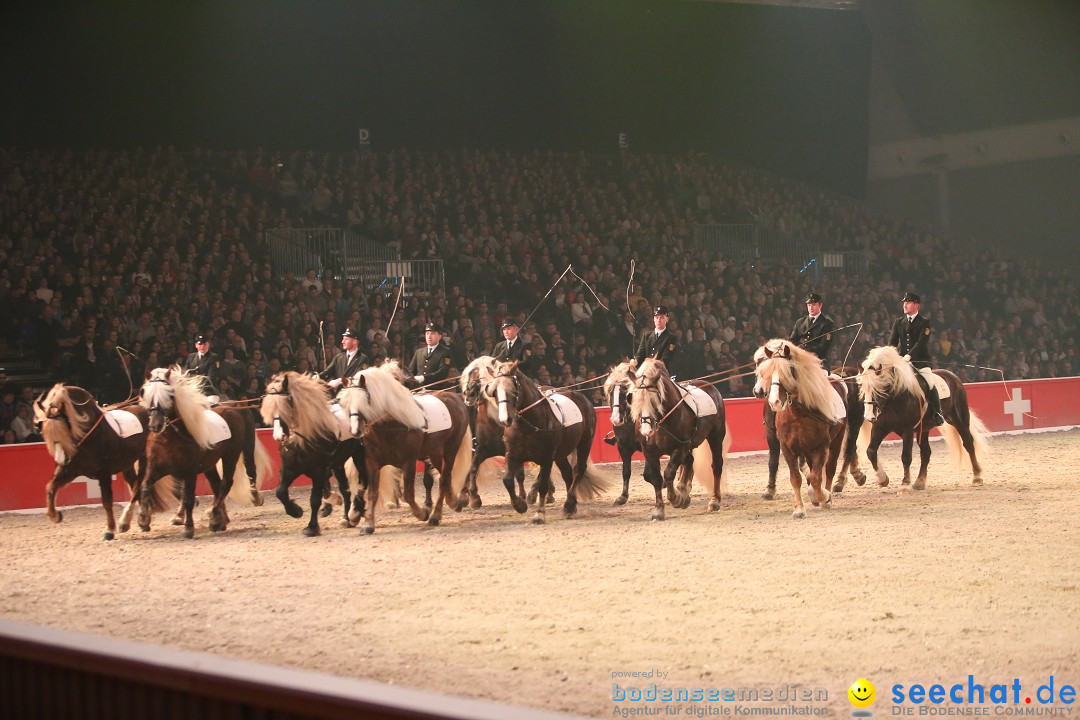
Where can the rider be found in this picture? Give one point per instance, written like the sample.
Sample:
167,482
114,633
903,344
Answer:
659,342
206,363
814,330
513,348
911,338
345,364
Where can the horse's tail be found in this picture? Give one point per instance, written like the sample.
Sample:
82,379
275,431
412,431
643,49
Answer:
980,437
389,484
352,475
462,463
593,484
264,466
239,491
162,496
726,446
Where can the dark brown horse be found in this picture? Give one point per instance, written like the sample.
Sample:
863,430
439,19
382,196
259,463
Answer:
682,426
850,463
810,417
394,430
185,442
486,430
896,403
84,443
617,390
313,442
546,432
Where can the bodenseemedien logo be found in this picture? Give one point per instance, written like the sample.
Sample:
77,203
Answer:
862,694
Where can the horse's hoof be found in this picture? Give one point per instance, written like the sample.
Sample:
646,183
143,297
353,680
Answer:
814,503
123,528
538,519
883,482
919,485
519,504
768,495
714,505
366,529
59,516
108,535
294,510
657,514
977,481
860,477
685,502
311,531
189,533
550,499
903,490
621,500
799,514
476,503
144,527
325,510
434,520
531,498
177,520
256,498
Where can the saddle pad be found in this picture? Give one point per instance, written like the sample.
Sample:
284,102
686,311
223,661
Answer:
839,406
566,410
436,416
344,432
698,400
937,381
219,429
123,423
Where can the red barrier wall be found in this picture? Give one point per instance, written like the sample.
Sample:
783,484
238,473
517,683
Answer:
1015,405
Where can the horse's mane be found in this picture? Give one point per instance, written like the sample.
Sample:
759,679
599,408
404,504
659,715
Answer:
308,415
800,368
897,375
394,368
483,366
385,397
167,386
650,403
57,432
619,375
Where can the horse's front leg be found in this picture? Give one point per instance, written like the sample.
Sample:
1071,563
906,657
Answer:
408,477
60,478
877,434
151,476
674,463
655,478
132,480
924,460
288,475
319,481
469,494
343,488
189,505
543,487
368,526
515,469
774,459
446,490
795,476
105,483
218,521
626,453
429,484
819,494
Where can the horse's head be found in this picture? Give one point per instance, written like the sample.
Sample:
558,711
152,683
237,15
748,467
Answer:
617,391
61,416
650,383
884,374
158,397
475,376
277,408
776,375
505,389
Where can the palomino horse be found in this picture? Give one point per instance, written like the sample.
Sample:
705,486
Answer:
84,443
545,432
395,433
617,390
895,402
680,424
487,432
185,441
312,441
850,464
810,417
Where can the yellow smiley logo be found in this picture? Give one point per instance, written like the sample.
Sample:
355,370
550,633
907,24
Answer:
862,693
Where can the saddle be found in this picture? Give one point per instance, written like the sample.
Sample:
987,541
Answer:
697,400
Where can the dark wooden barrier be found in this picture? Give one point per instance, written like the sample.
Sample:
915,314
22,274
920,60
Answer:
47,673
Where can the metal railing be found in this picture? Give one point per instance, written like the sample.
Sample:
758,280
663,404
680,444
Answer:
752,243
294,251
421,276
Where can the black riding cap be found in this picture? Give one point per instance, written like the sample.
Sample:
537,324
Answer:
350,333
911,297
813,297
660,310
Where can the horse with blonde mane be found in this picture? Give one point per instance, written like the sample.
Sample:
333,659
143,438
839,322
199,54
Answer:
85,443
679,423
547,429
895,402
486,430
617,390
189,437
812,417
312,441
395,433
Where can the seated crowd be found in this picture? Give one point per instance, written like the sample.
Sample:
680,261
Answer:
112,262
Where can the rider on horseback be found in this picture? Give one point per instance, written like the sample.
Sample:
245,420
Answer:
206,363
814,331
911,338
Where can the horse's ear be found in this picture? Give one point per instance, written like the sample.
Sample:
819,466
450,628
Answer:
514,364
345,381
168,374
285,383
631,374
361,381
147,376
785,350
768,352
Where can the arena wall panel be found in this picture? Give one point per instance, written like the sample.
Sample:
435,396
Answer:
1021,405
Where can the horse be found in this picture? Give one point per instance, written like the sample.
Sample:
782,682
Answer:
895,402
667,422
810,412
312,442
184,442
394,431
487,433
534,430
850,464
617,390
84,443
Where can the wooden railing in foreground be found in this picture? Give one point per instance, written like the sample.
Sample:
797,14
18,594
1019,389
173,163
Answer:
47,673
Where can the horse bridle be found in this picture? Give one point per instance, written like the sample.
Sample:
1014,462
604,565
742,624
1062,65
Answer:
519,412
659,425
